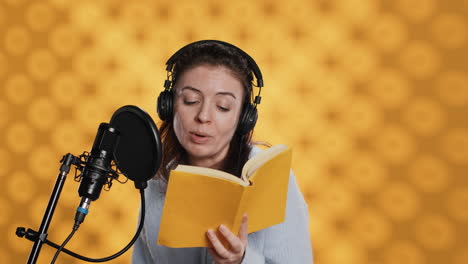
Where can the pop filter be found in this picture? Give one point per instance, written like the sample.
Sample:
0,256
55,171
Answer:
138,154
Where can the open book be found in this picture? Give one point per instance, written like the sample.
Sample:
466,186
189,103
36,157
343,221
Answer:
199,199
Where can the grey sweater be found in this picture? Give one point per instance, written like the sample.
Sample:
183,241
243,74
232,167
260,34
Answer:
284,243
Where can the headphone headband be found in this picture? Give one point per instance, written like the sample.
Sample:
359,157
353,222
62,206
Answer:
252,64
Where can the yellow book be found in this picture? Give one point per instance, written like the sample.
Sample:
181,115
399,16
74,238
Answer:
199,199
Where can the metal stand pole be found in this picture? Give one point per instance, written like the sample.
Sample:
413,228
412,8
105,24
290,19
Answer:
66,161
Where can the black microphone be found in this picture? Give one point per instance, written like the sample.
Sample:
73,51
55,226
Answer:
97,169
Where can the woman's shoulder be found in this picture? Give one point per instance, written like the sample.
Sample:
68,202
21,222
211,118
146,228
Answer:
254,150
257,148
157,186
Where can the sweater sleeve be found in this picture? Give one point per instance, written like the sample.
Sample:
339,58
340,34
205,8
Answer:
252,256
140,252
288,242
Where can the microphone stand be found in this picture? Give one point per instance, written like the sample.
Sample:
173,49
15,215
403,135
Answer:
66,161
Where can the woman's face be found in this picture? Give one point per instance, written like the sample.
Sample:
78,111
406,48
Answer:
208,103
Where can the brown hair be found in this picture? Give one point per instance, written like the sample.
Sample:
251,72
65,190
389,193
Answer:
214,54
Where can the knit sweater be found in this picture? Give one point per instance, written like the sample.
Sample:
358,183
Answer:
287,242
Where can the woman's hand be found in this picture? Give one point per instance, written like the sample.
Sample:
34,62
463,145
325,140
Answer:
238,244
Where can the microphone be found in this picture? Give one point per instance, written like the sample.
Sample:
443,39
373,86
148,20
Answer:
129,145
97,169
130,140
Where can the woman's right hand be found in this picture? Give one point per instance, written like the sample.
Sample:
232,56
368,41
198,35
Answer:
238,244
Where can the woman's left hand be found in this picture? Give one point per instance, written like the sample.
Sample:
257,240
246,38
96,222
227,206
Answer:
238,244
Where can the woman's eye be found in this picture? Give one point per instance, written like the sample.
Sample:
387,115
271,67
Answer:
189,102
224,109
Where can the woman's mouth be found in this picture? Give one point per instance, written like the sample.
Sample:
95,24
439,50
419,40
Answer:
198,138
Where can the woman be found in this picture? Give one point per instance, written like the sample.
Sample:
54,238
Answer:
208,116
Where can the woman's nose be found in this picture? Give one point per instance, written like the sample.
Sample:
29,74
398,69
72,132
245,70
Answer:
204,114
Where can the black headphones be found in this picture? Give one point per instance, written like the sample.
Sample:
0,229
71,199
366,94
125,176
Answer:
249,115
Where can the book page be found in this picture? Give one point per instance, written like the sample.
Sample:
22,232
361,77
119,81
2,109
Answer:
258,160
211,173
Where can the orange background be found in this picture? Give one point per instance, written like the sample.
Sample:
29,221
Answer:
372,95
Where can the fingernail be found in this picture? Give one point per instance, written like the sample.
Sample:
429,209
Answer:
222,228
210,232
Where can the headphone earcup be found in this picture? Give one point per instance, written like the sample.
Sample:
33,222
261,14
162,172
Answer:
248,119
165,105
